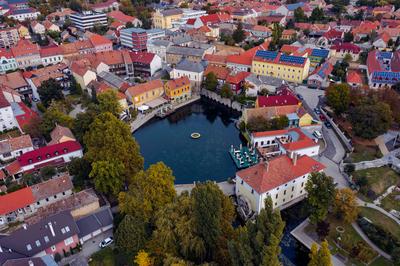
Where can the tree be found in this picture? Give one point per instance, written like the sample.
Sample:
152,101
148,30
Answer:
280,122
322,229
257,124
346,205
321,194
108,176
109,143
82,122
50,90
338,97
143,259
321,257
75,87
108,102
47,172
347,58
131,234
317,14
299,15
211,81
148,192
348,36
80,169
396,256
56,113
239,34
226,91
371,118
33,127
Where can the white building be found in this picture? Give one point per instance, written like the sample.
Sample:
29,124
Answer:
7,119
87,19
287,141
193,70
186,15
14,147
24,14
38,28
282,178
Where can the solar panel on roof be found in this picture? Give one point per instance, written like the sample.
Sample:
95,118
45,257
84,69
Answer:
385,55
320,53
292,59
269,55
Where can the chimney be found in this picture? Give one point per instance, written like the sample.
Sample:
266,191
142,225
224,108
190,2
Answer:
294,158
31,263
24,226
266,166
51,229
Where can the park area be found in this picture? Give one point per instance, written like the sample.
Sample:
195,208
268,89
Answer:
363,152
373,182
391,201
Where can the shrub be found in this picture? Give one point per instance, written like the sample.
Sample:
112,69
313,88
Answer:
57,257
41,107
349,168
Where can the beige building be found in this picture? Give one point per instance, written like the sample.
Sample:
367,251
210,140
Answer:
8,37
162,19
145,92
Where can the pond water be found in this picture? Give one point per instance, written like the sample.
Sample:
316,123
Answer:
205,158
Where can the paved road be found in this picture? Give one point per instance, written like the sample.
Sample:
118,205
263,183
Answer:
311,96
88,248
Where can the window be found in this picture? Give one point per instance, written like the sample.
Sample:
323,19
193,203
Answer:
37,242
46,239
284,192
276,196
301,191
67,229
68,241
63,230
252,191
53,248
302,184
292,189
28,247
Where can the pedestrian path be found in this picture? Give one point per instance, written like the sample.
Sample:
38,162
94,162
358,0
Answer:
362,203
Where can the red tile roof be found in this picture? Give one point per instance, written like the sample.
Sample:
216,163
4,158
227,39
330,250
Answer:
333,34
178,83
354,77
48,152
24,48
239,77
277,100
119,16
16,200
269,133
221,72
148,86
279,171
3,101
347,47
6,53
13,168
142,57
26,117
50,51
97,40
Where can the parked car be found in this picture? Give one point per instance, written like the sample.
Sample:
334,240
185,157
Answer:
317,111
322,117
317,134
106,242
327,124
35,99
300,97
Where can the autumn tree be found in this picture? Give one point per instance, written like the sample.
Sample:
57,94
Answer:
108,102
50,90
338,97
321,193
143,259
113,152
226,91
131,234
148,192
346,205
33,127
299,15
321,256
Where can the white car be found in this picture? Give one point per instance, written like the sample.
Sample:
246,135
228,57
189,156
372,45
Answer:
106,242
317,134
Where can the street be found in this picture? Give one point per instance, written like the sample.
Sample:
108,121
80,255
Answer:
90,247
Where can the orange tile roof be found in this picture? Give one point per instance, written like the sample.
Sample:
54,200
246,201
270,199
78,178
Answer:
148,86
263,177
354,77
97,40
178,83
13,168
16,200
214,58
20,142
221,72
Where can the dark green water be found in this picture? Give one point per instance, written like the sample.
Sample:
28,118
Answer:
206,158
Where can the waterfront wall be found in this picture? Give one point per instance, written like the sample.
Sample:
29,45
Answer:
225,101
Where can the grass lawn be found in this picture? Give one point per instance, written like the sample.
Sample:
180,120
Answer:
105,257
365,153
379,219
381,261
390,203
349,239
378,179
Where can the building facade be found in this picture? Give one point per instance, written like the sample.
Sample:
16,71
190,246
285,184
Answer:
178,90
8,37
87,19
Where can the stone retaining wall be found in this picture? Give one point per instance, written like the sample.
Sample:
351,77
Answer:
225,101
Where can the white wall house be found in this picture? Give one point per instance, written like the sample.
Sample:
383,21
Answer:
14,147
193,70
282,178
7,120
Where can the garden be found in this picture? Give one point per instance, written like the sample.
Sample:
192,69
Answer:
373,182
391,201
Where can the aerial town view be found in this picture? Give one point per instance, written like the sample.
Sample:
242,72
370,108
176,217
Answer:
200,132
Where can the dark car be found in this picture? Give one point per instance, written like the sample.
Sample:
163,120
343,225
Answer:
327,124
317,111
300,97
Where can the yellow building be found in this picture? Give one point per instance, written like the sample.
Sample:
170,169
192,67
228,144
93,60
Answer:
145,92
287,67
178,90
162,19
23,32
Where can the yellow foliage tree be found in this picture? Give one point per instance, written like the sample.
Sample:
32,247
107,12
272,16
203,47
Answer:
346,204
143,259
321,257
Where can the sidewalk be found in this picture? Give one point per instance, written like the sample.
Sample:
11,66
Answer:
362,203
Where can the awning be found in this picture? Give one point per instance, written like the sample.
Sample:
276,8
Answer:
143,108
156,102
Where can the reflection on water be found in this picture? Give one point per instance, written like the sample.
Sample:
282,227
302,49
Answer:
207,158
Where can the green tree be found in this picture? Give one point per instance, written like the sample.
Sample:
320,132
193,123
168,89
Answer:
317,14
396,256
75,87
33,127
148,192
320,257
109,143
108,176
239,34
347,58
50,90
211,82
80,169
321,193
57,113
299,15
131,234
280,122
47,172
338,97
82,122
108,102
371,118
348,36
226,91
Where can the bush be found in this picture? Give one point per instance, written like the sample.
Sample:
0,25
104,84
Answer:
47,172
57,257
41,107
380,237
349,168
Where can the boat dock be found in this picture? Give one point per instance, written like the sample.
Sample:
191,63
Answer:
244,157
